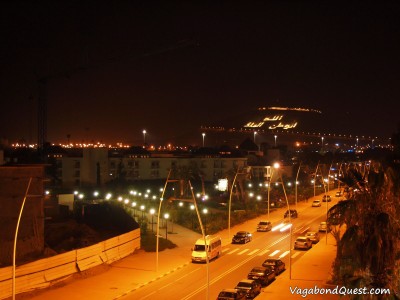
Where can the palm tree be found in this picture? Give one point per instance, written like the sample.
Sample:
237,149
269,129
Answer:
366,252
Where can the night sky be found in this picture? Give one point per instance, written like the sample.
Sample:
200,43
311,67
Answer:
114,68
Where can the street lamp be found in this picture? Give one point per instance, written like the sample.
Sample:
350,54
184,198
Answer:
322,142
152,211
277,166
192,209
142,207
297,176
134,209
255,133
144,137
203,134
166,216
275,136
205,211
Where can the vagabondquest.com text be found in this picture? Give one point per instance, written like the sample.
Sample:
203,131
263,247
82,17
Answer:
337,291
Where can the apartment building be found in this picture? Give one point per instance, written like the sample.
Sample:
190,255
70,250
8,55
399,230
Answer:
96,166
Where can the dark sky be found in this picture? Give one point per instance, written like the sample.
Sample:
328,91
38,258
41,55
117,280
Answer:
114,68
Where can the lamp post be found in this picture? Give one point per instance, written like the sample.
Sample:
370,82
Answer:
192,209
322,143
142,207
275,136
296,183
144,137
166,216
152,211
230,203
134,209
203,134
205,211
204,237
315,177
277,166
255,133
269,176
16,238
158,218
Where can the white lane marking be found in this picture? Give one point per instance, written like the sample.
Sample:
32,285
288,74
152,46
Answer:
284,254
275,252
224,250
233,251
294,255
244,251
263,252
252,252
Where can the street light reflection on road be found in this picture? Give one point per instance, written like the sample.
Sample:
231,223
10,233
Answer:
282,227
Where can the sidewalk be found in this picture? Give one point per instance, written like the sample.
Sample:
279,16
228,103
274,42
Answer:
140,268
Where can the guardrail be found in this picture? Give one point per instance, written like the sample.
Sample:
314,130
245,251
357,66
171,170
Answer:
44,272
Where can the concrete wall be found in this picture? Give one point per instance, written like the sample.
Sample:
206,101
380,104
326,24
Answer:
14,184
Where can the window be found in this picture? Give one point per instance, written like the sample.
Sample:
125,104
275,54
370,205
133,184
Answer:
77,164
155,164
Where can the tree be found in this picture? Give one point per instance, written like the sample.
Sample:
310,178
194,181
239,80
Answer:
367,250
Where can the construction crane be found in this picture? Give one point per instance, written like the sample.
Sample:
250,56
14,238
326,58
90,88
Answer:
43,81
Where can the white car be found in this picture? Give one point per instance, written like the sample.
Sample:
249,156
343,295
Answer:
316,203
323,227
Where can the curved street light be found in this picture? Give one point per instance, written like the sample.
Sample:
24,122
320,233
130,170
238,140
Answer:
296,183
204,238
203,134
277,166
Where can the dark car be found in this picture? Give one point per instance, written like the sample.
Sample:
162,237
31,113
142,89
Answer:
264,226
326,198
293,213
277,265
250,286
231,294
265,275
241,237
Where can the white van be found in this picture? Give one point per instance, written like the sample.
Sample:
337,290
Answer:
214,248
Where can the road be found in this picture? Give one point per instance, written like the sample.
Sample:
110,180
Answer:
192,282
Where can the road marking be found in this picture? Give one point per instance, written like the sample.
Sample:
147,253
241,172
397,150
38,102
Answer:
244,251
252,252
224,250
263,252
284,254
275,252
294,255
233,251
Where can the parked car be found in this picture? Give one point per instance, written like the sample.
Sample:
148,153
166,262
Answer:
265,275
277,264
302,242
293,213
326,198
231,294
338,194
242,237
323,227
313,236
264,226
316,203
250,286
